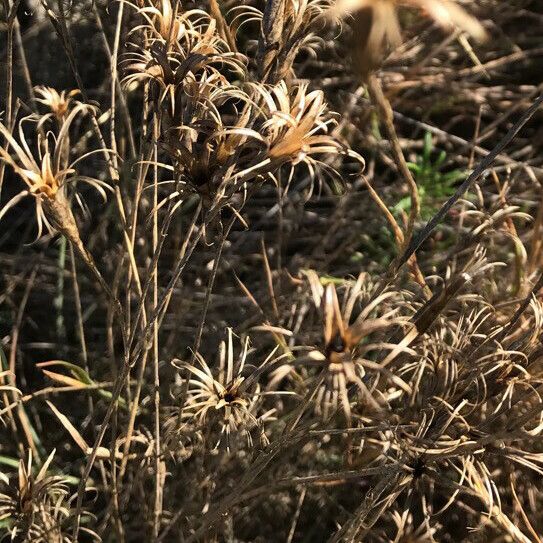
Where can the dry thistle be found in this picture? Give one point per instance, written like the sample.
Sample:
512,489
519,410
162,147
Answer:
471,395
48,177
296,125
206,152
295,128
287,27
179,47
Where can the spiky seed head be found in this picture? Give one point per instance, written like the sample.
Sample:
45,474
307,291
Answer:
58,103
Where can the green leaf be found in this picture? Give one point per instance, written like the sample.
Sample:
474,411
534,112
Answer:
9,461
440,160
77,371
428,146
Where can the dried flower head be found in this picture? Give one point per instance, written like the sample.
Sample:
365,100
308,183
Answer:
181,46
57,103
48,172
296,124
213,145
37,507
341,355
227,401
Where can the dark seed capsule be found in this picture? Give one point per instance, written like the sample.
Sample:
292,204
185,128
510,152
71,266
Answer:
419,468
229,397
337,344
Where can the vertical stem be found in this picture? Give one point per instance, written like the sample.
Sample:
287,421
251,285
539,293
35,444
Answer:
11,14
221,238
58,302
23,417
24,64
385,113
156,377
387,117
270,39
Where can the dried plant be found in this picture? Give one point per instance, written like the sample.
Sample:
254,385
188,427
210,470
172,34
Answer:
48,173
258,187
229,399
343,353
37,507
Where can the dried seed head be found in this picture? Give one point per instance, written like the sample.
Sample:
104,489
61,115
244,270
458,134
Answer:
340,356
297,123
222,401
181,47
37,507
57,103
47,172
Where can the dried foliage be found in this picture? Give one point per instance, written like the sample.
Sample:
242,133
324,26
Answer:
222,306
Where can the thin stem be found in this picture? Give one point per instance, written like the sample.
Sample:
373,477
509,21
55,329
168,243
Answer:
11,13
160,468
